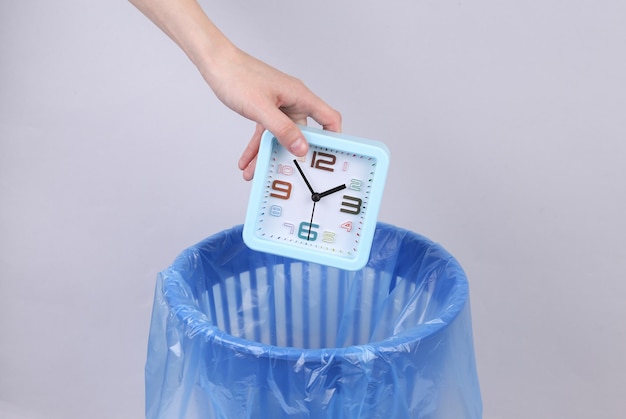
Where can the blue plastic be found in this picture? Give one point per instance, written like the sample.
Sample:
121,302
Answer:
242,334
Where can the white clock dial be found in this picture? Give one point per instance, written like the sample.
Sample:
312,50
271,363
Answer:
332,223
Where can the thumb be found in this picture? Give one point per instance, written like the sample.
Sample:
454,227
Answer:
286,132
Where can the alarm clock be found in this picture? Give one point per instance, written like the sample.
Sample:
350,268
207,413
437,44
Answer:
322,207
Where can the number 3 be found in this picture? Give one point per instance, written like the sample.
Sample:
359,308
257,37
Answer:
352,207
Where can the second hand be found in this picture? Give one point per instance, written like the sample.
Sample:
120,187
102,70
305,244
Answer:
308,237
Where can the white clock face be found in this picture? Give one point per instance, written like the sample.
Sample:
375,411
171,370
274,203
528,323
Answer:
318,202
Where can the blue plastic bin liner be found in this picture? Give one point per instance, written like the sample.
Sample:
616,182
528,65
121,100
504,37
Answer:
242,334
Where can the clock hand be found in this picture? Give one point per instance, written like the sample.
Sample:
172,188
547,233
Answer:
333,190
316,197
304,177
308,236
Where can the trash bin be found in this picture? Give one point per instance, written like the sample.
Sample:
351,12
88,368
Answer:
242,334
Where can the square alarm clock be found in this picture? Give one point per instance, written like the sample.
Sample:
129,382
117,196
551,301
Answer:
319,208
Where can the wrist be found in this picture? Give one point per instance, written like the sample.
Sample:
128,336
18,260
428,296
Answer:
211,56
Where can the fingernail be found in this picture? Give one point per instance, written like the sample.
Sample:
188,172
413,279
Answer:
299,147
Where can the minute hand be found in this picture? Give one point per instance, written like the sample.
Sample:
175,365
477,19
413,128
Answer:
304,177
333,190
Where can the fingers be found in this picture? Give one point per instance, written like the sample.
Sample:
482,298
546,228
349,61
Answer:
281,122
251,149
327,117
286,131
248,172
247,161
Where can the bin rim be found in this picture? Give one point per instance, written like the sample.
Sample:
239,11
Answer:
196,323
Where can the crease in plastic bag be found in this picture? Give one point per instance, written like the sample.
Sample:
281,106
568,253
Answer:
242,334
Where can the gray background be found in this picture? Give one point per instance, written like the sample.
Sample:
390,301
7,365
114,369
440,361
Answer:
507,126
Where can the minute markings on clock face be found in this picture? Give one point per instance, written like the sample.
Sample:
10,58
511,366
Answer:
318,201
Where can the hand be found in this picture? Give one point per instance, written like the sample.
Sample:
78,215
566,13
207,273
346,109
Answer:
276,102
255,90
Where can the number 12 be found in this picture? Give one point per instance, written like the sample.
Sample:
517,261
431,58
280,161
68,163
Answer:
323,161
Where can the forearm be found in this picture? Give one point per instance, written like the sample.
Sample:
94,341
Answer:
255,90
185,23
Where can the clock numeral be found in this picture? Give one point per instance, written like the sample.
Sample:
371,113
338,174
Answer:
328,237
285,169
352,205
282,188
345,166
355,184
306,232
276,210
290,226
347,226
323,161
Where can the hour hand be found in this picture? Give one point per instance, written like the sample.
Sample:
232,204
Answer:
304,177
333,190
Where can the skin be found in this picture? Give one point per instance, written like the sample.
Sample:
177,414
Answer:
274,100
